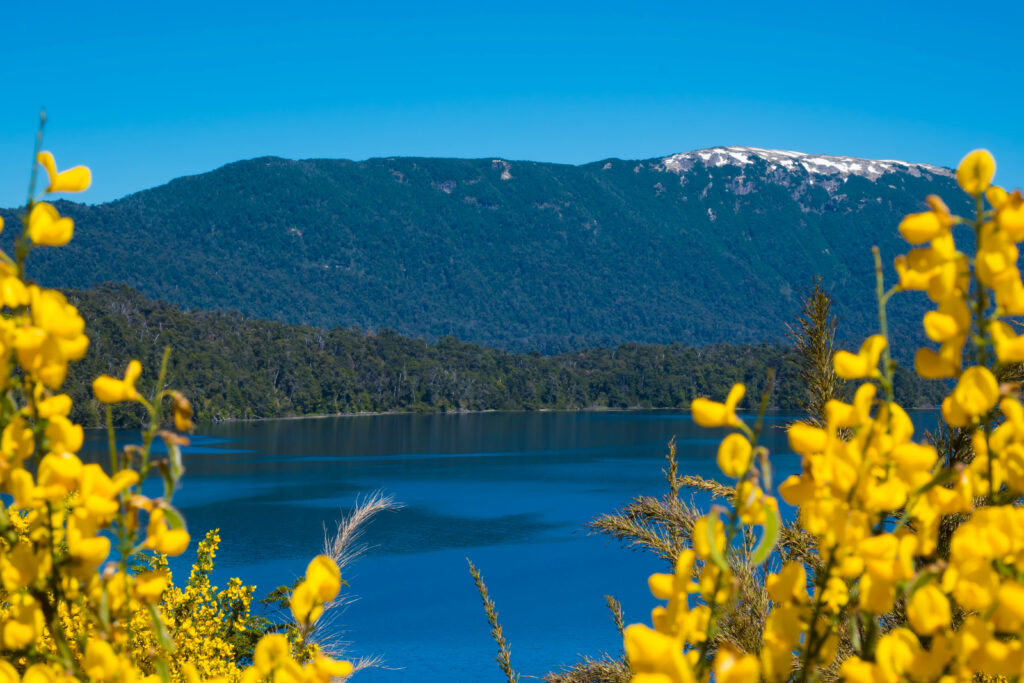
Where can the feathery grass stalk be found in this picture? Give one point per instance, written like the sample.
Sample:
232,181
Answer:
814,341
616,609
344,546
504,651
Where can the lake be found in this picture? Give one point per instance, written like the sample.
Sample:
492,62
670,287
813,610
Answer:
511,491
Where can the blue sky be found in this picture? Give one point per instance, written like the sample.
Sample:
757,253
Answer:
144,94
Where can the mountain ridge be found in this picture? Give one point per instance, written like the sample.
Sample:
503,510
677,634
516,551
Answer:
516,254
671,162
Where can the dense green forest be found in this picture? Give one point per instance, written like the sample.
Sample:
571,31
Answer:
515,255
235,367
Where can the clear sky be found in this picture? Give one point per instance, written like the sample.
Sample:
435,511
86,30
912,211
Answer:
144,92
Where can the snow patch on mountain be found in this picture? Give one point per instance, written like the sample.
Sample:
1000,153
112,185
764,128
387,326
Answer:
781,160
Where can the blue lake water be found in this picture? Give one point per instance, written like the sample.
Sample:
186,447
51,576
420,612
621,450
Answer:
511,491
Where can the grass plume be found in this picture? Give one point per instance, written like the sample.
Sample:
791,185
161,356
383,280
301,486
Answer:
504,657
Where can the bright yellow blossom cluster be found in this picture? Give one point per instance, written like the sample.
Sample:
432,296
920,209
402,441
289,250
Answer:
918,567
67,611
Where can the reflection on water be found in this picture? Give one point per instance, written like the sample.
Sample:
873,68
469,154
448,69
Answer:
512,491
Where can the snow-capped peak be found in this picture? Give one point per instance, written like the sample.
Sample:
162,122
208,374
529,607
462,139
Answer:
819,164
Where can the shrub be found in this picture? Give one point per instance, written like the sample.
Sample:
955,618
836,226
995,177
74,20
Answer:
906,561
67,610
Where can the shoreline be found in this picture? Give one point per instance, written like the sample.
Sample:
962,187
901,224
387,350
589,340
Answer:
593,409
460,411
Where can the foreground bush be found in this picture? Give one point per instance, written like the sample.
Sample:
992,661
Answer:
86,593
907,558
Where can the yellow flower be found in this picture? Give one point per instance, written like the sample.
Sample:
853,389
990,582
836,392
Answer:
100,661
84,546
13,292
324,577
1008,345
789,585
112,390
856,670
321,584
324,669
59,405
63,435
17,442
975,172
20,567
918,228
734,455
839,414
996,196
797,490
23,624
59,474
836,594
876,595
1010,216
1010,297
712,414
651,653
996,261
945,363
75,179
950,321
701,540
895,653
151,585
677,584
974,584
182,410
161,538
305,607
47,228
975,394
271,652
928,610
863,365
733,667
806,439
912,458
1010,611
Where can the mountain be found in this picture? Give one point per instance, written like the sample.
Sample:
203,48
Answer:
703,247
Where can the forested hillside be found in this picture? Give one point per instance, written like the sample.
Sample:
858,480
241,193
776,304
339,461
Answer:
703,248
235,367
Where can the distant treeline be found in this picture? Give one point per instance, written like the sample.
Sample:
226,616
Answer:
235,367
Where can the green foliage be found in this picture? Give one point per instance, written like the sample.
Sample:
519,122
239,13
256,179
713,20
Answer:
555,258
235,367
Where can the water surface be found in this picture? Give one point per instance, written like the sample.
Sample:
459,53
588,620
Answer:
511,491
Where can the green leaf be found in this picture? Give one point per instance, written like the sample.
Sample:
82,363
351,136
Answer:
716,554
922,579
160,629
174,451
169,482
174,518
104,610
769,537
943,477
161,669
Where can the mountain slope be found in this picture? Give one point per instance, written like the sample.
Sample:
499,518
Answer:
703,247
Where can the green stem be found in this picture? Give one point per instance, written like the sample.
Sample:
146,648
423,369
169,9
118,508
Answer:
883,325
813,643
21,245
35,156
111,441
